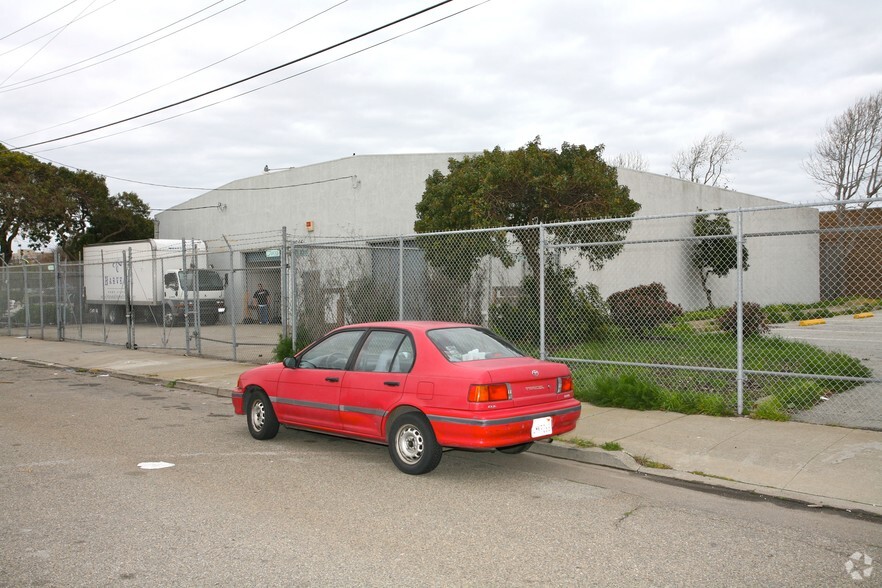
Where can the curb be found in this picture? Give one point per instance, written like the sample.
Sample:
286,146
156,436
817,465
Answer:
178,384
622,461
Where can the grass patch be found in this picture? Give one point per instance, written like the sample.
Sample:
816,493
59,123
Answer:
706,475
578,442
706,392
588,444
171,384
770,409
648,463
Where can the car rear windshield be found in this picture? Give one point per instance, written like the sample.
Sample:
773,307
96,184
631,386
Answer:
470,344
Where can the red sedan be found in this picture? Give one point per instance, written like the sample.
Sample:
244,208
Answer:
417,387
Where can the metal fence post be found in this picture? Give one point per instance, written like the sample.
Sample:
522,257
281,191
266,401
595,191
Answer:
231,287
59,296
8,308
295,318
186,298
27,301
197,307
542,351
739,302
127,297
103,300
42,314
401,278
283,267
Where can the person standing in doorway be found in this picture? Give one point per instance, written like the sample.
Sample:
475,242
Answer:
262,297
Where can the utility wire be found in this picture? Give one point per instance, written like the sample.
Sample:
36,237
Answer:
47,76
204,106
105,5
184,76
37,52
251,77
7,35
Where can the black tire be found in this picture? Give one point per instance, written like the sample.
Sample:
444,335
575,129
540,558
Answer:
412,444
209,318
115,314
515,449
169,317
262,421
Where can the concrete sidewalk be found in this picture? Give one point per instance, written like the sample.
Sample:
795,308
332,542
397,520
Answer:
814,464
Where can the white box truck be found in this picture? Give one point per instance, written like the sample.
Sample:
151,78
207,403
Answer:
161,281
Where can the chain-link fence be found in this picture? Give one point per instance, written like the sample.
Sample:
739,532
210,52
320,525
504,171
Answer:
769,311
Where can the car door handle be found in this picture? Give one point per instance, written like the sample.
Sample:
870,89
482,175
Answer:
391,383
332,379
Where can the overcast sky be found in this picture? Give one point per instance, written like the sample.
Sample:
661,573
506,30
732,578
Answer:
651,77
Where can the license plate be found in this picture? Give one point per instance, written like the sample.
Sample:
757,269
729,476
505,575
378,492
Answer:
541,427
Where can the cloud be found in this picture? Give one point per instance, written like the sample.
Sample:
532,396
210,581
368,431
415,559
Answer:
645,76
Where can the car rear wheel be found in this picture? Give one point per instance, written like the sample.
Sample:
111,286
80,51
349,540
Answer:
515,449
412,444
262,421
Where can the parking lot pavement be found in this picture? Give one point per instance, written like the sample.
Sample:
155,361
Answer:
860,407
820,465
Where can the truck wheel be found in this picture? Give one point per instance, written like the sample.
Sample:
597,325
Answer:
115,314
209,318
169,317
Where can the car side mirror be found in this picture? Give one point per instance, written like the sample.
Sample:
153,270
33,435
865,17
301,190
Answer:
290,362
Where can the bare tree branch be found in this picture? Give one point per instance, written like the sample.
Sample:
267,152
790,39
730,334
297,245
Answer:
847,158
630,160
706,160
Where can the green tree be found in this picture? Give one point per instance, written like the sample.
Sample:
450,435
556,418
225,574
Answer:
527,186
123,217
717,252
23,197
42,203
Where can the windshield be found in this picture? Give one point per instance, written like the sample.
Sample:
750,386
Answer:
471,344
208,280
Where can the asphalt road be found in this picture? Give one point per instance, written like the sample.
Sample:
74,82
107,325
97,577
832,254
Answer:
311,510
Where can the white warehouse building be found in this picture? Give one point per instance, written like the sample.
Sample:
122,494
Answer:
373,197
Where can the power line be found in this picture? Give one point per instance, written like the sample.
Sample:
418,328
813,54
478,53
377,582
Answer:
251,77
47,76
105,5
184,76
7,35
37,52
203,107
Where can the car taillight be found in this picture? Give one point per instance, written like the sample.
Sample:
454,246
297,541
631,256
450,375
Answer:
489,392
565,384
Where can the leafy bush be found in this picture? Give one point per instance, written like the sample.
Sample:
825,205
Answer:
797,394
369,300
573,314
770,409
753,319
642,308
625,391
285,347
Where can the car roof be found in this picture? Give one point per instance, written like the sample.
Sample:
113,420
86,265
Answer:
421,326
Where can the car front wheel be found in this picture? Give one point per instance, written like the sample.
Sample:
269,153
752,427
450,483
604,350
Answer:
412,444
262,421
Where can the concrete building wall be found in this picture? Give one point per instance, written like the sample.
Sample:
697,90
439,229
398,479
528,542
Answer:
374,196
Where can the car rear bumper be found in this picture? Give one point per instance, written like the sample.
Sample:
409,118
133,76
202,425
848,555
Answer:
468,430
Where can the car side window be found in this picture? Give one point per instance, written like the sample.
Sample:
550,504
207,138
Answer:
380,351
333,353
